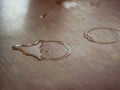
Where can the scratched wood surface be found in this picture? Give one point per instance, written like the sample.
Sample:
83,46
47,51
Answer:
91,66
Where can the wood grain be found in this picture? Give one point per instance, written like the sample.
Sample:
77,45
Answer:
91,66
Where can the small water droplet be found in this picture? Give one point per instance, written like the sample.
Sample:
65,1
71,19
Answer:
45,50
102,35
43,16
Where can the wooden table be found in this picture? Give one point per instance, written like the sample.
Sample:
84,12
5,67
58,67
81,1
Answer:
91,66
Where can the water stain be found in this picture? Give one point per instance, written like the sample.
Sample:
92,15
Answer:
45,50
82,4
102,35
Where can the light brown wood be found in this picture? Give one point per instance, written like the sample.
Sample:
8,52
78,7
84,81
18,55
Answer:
91,66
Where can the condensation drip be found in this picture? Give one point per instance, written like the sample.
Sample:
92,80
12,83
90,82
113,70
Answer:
102,35
40,48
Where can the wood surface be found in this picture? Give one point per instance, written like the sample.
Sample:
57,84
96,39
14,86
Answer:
91,66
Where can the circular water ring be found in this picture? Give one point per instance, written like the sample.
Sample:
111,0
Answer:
90,38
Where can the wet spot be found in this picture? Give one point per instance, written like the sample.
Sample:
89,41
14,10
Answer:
45,50
102,35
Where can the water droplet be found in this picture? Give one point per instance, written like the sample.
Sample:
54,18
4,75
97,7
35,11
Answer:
102,35
43,16
45,50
